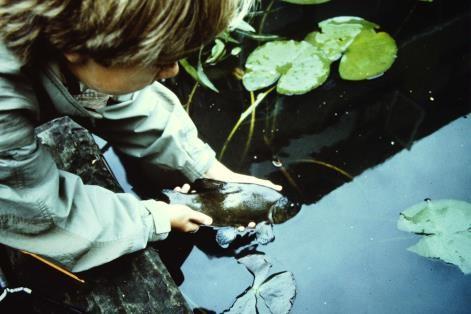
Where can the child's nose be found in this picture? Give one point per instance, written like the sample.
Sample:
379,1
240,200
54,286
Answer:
167,71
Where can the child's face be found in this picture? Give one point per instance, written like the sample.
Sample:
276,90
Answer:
116,80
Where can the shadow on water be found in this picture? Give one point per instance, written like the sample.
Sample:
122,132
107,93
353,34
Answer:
389,134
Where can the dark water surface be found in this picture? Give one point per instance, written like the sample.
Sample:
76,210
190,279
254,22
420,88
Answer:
403,137
345,251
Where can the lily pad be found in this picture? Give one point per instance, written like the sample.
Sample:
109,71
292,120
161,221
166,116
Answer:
279,292
299,67
258,265
368,56
274,294
446,225
337,34
244,304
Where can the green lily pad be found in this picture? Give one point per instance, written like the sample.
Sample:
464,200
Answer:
258,265
268,294
337,34
306,1
299,67
446,225
368,56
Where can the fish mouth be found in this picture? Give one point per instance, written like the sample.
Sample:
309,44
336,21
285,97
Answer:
283,210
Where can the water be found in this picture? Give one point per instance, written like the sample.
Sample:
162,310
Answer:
403,137
345,250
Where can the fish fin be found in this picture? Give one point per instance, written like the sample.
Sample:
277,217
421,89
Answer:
264,233
225,236
203,184
221,187
164,195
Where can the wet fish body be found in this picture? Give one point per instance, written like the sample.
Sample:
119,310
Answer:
235,204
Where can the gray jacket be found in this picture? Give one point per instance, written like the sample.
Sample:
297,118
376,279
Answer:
51,212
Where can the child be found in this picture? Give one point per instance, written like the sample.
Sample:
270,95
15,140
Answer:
98,61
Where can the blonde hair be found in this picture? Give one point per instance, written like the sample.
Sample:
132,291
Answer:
115,32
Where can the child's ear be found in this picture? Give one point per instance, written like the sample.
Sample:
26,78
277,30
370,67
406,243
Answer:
74,57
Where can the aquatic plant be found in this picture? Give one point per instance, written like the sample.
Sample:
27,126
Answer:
337,34
255,101
446,227
327,165
301,66
369,56
297,66
268,294
198,74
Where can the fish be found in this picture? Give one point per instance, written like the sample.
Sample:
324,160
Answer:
233,204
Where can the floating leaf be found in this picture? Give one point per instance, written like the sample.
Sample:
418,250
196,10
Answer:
217,52
273,295
369,56
264,233
337,34
306,1
225,236
279,292
244,304
243,25
299,69
197,75
446,225
346,20
298,66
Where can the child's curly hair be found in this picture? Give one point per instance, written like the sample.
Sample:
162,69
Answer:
114,32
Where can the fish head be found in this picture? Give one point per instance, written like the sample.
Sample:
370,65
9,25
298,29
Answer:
282,210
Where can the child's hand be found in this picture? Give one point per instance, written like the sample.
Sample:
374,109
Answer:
220,172
186,188
185,219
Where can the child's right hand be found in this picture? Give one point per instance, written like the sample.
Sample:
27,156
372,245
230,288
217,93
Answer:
185,219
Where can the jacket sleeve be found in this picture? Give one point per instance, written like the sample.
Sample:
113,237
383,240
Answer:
154,127
51,212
